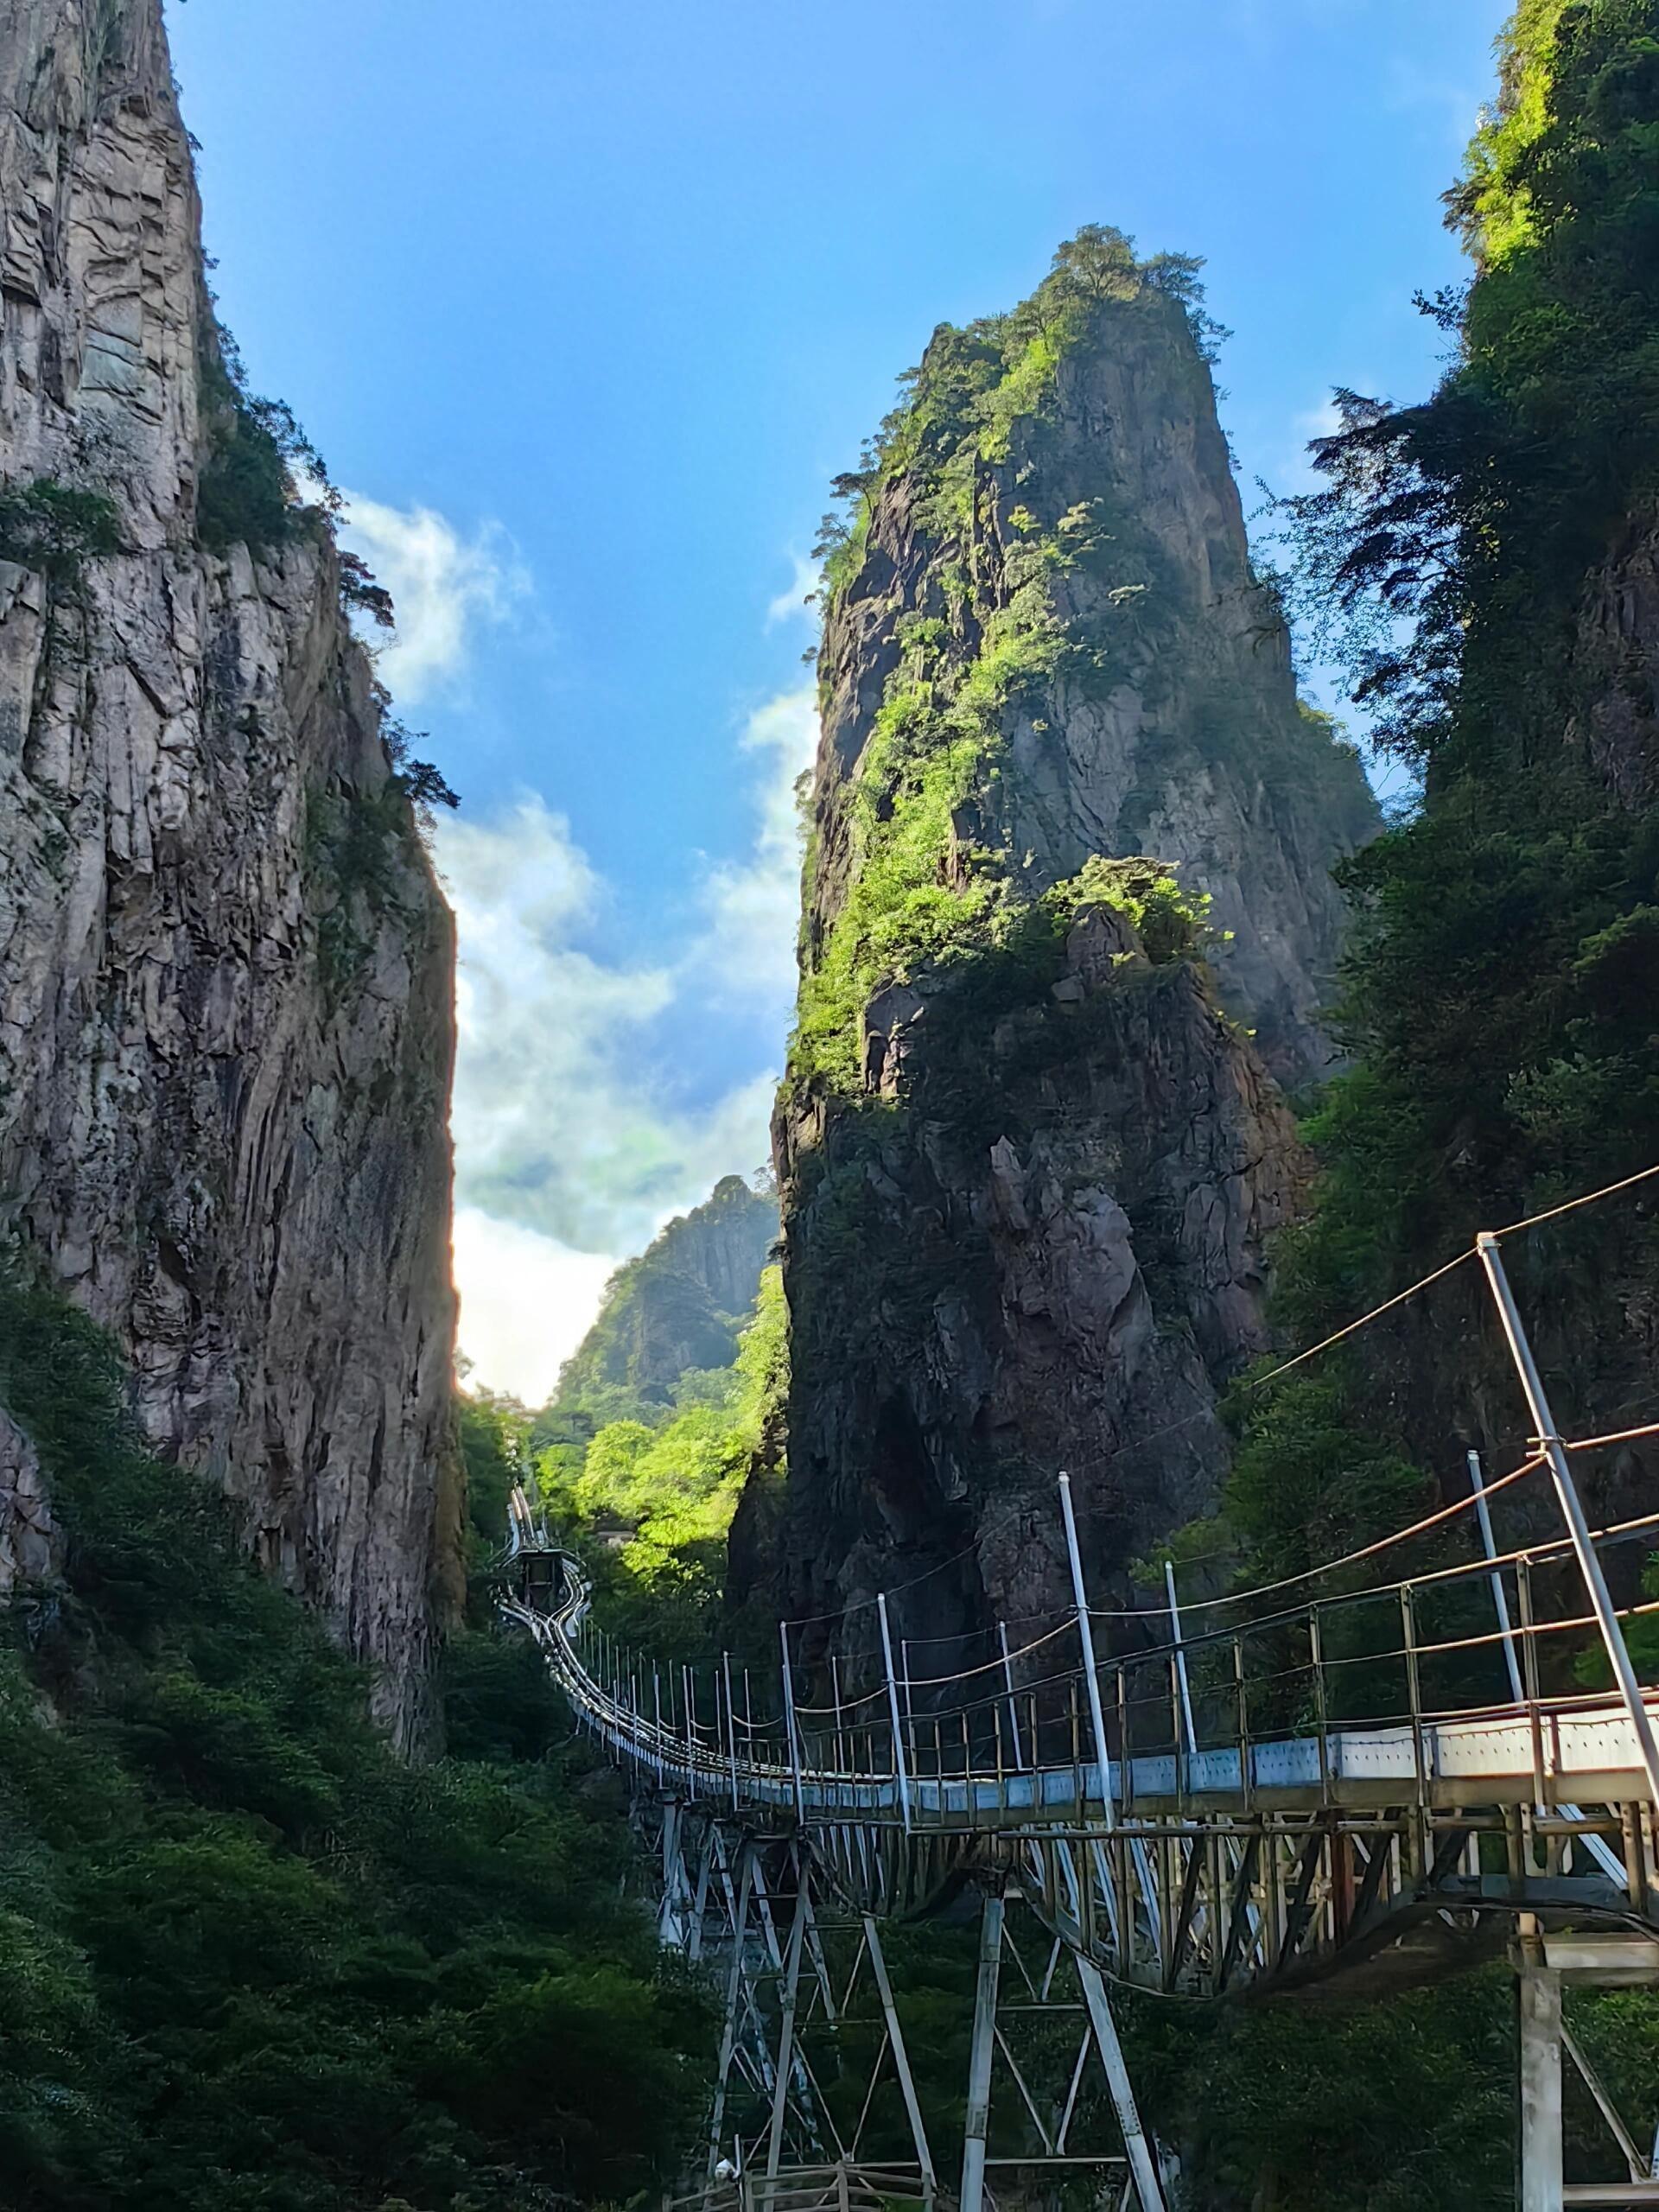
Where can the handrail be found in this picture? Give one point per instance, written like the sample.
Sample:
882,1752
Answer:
959,1777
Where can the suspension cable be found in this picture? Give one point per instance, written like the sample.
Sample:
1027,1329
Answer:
1553,1213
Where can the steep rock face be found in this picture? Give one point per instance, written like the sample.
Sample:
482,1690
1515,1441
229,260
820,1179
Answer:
1153,709
1039,1248
679,1306
1616,663
1028,1163
224,967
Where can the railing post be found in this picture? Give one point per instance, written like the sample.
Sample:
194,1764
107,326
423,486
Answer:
1608,1620
731,1723
835,1692
1246,1765
900,1774
912,1764
1125,1759
1180,1659
1418,1740
1529,1660
1321,1710
689,1688
788,1722
1085,1638
1008,1678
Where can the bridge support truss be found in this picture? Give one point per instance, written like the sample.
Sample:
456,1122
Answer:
813,2050
1546,1966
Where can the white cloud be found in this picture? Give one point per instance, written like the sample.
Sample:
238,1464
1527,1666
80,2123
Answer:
790,605
747,951
568,1154
444,585
526,1302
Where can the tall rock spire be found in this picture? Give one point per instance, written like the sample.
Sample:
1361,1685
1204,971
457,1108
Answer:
1070,840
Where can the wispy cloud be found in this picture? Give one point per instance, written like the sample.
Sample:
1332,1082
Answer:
789,604
746,951
445,589
526,1302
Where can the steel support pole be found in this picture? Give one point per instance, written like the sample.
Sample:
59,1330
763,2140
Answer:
670,1931
1008,1677
788,1722
731,1723
1143,2164
786,2029
900,1772
1180,1660
1085,1638
1500,1601
901,2056
979,2057
1612,1634
1538,2000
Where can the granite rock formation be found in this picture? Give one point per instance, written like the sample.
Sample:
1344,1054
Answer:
680,1304
226,1032
1070,845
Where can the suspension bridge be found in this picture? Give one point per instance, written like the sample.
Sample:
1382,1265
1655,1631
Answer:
1304,1792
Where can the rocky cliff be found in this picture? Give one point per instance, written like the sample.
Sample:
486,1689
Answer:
1028,1161
224,967
679,1306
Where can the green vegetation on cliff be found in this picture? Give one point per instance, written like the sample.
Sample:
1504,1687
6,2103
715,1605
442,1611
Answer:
664,1494
248,1955
1501,998
1499,995
680,1306
923,886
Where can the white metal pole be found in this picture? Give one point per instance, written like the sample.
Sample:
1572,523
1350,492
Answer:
787,2033
1489,1545
901,2056
687,1685
900,1772
1180,1660
1148,2187
1008,1677
731,1722
1612,1635
981,2052
835,1695
911,1761
1085,1638
789,1721
1539,2003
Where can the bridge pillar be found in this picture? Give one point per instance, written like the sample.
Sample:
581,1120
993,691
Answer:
980,2053
1538,1997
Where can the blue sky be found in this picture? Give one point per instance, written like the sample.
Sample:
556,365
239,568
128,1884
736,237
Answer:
585,303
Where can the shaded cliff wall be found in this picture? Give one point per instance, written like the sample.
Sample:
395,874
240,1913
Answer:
1028,1162
225,1033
